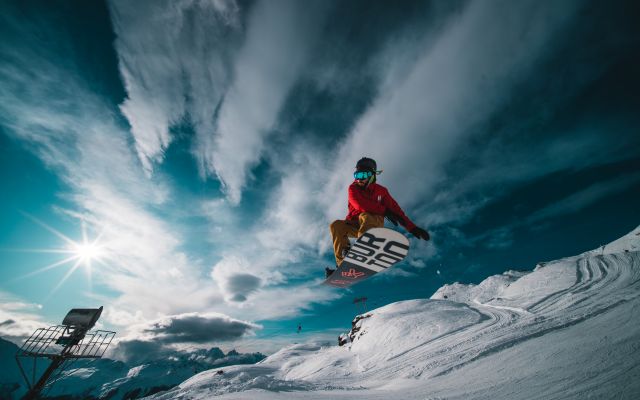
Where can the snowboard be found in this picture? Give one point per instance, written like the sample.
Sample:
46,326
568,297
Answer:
375,251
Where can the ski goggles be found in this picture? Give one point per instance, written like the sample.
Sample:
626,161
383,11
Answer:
362,175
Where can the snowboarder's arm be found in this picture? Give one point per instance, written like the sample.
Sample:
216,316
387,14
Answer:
360,202
391,205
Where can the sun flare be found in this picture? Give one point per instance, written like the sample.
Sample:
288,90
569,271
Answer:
87,251
80,253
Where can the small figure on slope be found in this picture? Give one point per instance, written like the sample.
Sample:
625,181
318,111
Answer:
369,204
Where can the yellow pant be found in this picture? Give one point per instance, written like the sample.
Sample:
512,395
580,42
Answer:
342,230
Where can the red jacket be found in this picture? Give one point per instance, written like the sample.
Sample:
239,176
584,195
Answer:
374,199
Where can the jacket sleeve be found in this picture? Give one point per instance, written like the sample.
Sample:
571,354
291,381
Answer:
362,203
391,204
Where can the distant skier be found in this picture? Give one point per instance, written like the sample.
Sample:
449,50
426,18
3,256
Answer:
369,204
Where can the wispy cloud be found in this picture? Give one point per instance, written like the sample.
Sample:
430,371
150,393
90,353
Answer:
290,300
432,93
260,284
174,59
185,60
293,219
19,319
585,197
228,73
148,271
280,36
420,119
75,132
488,173
503,237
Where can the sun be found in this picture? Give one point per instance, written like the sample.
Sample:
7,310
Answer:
86,252
81,253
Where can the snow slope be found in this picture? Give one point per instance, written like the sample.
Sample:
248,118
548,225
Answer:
568,329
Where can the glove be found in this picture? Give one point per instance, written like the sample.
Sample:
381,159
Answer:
392,217
420,233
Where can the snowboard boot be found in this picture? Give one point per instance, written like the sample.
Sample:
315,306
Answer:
328,271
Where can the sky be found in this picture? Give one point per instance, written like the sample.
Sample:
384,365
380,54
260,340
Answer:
179,162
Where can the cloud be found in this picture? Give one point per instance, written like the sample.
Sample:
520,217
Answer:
420,118
198,328
45,102
508,159
502,237
279,38
232,274
19,319
147,271
184,60
242,285
499,239
194,62
20,305
293,222
286,245
292,299
585,197
166,336
174,58
260,284
279,245
137,352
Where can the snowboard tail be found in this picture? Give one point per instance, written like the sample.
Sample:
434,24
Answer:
375,251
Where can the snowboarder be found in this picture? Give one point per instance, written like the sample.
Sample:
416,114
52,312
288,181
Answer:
369,204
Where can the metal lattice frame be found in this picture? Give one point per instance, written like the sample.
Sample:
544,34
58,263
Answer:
60,344
68,341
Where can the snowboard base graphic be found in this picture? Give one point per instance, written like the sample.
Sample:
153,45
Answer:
373,252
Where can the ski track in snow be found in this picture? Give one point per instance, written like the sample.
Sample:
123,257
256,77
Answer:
419,348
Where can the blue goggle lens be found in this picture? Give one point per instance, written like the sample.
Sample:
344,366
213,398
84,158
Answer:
362,175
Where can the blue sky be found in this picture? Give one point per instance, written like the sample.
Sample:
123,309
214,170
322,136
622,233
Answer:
207,145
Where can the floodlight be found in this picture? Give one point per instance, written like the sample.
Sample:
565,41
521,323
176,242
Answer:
84,318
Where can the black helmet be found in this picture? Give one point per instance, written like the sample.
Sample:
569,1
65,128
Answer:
366,164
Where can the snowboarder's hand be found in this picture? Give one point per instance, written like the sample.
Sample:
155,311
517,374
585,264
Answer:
420,233
393,218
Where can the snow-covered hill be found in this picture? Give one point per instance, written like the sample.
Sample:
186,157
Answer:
568,329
